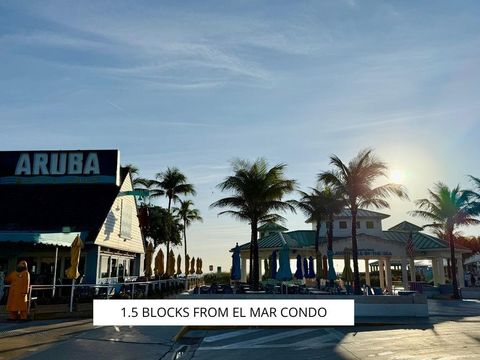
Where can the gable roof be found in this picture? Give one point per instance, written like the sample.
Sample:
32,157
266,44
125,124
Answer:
271,227
421,241
362,213
406,226
306,238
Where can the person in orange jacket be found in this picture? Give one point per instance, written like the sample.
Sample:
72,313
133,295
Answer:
17,303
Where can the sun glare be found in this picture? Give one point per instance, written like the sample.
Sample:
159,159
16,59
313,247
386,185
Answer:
397,176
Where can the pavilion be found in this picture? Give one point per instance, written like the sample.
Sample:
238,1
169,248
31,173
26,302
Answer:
374,244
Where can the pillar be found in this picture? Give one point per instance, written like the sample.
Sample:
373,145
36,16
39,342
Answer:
440,271
260,271
388,273
413,276
460,274
381,273
243,270
435,271
404,273
367,273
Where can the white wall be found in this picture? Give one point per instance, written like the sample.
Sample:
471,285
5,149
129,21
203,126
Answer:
109,235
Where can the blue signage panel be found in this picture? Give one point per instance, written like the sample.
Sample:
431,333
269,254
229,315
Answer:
59,167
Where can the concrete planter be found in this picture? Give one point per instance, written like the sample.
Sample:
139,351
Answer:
84,307
51,311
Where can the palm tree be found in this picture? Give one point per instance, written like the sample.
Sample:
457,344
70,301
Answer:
354,182
187,215
320,205
448,209
313,205
170,183
257,193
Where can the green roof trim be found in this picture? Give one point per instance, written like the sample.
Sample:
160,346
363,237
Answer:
306,238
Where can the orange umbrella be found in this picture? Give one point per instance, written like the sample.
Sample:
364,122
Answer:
179,264
159,263
192,266
72,271
187,264
148,260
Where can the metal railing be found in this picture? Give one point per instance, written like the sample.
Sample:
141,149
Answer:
131,287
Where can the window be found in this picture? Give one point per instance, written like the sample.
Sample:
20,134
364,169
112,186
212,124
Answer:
358,224
370,225
104,266
343,224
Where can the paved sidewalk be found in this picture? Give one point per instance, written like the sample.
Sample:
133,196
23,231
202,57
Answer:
79,339
451,332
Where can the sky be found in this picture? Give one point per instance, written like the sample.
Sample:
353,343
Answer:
196,84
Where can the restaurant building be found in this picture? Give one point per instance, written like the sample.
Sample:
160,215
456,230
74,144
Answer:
47,198
385,249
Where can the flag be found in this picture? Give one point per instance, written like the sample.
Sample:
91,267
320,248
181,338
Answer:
410,248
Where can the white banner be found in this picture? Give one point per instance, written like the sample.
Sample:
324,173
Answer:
271,312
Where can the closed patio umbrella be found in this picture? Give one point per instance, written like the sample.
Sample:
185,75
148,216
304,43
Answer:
179,264
201,266
320,266
299,273
305,267
311,271
198,266
148,260
236,271
347,274
72,271
160,263
187,264
284,272
172,263
192,266
266,264
273,267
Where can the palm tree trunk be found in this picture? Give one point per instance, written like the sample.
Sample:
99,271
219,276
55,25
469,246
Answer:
185,239
317,245
255,255
250,264
168,240
330,239
456,294
356,273
330,233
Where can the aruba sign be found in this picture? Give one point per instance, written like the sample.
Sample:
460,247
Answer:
59,167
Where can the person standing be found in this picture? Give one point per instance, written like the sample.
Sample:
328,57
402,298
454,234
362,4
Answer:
17,303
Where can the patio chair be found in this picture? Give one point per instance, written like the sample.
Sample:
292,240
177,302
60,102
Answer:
377,291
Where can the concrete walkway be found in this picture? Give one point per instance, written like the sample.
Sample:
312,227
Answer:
451,332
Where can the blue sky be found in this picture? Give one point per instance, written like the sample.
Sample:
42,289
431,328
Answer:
195,84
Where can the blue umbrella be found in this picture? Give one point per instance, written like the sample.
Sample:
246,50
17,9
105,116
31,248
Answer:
299,273
274,264
284,272
311,272
236,271
332,275
305,267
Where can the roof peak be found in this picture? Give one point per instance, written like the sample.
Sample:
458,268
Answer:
406,226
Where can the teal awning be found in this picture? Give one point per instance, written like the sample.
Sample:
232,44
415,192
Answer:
55,239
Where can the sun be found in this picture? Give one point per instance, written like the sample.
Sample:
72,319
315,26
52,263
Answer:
397,176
